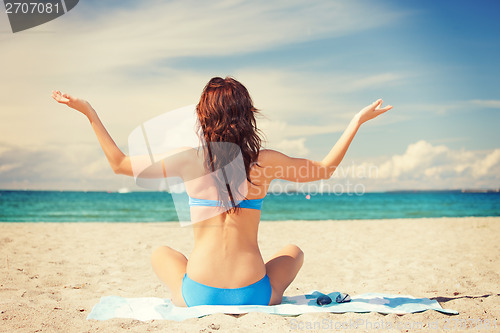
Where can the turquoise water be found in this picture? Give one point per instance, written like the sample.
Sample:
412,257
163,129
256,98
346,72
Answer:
55,206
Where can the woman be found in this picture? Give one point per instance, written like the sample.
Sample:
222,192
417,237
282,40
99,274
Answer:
226,266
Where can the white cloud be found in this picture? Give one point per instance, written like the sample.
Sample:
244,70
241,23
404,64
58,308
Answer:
491,103
421,166
440,162
75,166
349,83
7,167
292,147
485,166
459,105
290,96
418,156
426,166
277,132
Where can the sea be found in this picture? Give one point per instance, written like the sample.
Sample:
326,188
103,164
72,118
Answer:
74,206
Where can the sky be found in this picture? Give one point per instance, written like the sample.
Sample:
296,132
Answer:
309,66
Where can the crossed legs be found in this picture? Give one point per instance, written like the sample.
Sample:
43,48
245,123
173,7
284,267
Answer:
170,266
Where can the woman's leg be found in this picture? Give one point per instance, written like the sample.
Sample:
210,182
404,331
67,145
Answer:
170,266
282,269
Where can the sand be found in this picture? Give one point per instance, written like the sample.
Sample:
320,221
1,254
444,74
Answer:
52,274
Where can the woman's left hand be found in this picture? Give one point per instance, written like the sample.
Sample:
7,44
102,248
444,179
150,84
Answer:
371,111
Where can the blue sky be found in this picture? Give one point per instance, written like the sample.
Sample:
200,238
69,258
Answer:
309,65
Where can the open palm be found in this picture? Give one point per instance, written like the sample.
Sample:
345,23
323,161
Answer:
373,110
73,102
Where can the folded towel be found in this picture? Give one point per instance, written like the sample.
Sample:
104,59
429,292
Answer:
148,308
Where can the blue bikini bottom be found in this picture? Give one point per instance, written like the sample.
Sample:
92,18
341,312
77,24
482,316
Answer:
194,293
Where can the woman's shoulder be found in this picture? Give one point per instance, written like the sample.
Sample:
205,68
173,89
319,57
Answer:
270,155
183,154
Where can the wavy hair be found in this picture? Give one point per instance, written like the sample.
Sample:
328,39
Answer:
227,115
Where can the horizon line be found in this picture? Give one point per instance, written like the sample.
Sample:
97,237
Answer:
126,190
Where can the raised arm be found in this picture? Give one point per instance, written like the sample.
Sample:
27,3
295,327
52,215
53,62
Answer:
118,161
168,164
282,166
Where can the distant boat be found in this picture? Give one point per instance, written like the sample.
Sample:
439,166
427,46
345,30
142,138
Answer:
124,190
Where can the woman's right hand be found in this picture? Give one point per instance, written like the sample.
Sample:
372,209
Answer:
73,102
371,111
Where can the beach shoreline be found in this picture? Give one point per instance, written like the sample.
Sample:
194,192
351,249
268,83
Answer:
52,274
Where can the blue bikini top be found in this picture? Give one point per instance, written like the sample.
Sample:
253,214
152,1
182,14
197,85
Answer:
250,204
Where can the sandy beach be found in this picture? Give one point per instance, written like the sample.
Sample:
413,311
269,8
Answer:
52,274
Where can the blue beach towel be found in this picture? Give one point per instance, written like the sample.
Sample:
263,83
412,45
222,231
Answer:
149,308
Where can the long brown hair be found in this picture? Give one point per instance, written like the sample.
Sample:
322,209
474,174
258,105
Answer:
226,114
